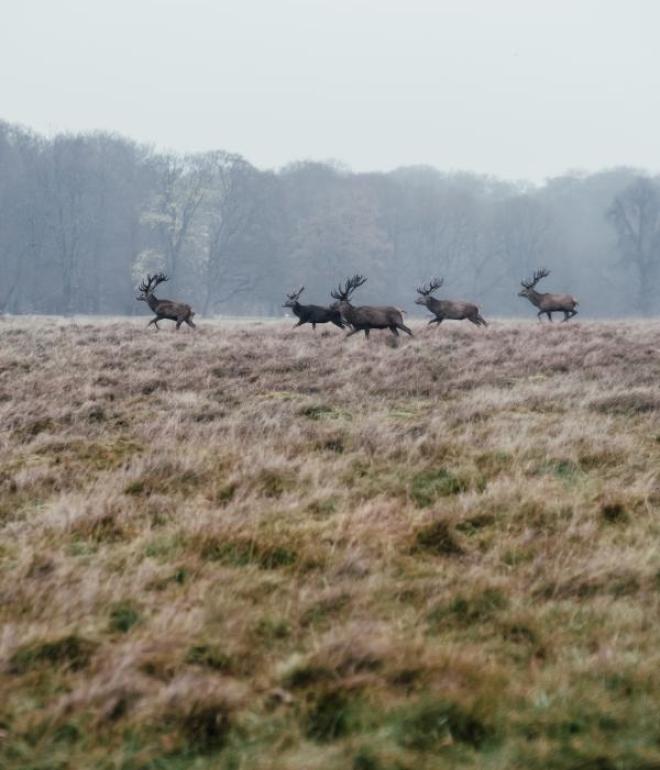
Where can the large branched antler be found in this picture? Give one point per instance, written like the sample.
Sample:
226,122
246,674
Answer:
147,287
294,295
434,284
531,283
343,293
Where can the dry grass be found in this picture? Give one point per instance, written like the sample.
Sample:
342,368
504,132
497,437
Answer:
254,548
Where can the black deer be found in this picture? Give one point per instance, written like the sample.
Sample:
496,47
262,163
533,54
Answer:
165,309
312,314
548,303
455,310
366,318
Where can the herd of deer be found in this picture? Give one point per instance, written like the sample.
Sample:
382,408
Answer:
365,318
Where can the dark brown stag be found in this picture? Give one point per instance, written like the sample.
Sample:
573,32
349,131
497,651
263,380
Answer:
165,309
366,318
312,314
548,303
455,310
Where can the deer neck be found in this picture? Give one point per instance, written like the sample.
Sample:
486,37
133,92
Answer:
152,301
534,297
346,310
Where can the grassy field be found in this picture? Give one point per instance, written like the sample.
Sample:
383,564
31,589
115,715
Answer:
250,547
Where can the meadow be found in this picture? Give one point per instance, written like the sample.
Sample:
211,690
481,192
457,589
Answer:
253,547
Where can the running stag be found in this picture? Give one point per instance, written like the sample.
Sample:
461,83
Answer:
548,303
366,318
165,309
445,308
312,314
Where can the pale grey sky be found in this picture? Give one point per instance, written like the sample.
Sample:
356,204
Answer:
517,88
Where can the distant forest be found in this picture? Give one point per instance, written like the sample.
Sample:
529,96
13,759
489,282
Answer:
84,217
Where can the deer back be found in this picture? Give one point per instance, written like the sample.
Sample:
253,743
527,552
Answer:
452,309
372,316
552,301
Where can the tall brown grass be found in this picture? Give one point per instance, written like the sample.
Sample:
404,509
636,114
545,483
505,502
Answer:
250,547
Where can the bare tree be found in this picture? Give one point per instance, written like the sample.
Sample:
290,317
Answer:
229,208
635,215
172,213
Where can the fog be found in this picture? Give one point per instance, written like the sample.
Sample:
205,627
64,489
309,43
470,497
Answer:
248,148
512,88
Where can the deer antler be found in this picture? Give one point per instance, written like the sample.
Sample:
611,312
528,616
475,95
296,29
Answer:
294,295
146,287
342,293
159,278
531,283
434,284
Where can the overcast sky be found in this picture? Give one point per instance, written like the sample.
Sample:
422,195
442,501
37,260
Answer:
517,88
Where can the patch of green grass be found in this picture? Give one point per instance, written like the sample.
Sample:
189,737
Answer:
123,616
209,656
272,629
433,724
330,715
437,538
428,486
274,483
70,651
241,552
469,608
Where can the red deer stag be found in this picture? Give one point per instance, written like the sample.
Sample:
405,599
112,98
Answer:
548,303
165,309
366,318
447,309
312,314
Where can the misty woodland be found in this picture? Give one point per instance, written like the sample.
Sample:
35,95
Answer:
84,217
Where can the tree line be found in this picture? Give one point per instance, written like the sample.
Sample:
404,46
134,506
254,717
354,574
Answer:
84,217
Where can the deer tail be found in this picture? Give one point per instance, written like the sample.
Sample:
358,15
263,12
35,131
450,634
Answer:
402,311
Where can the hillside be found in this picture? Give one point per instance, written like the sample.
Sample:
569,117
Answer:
250,547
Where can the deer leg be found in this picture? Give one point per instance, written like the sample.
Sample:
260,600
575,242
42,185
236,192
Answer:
482,320
549,314
436,320
354,331
394,330
539,314
314,326
366,333
191,323
154,321
474,320
300,323
405,329
338,323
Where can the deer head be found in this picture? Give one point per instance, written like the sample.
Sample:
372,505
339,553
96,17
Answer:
292,298
426,291
146,288
528,286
